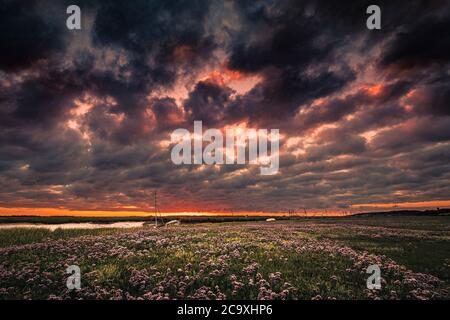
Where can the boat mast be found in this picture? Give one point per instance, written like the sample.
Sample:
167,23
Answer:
156,210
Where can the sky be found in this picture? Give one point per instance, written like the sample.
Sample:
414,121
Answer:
86,115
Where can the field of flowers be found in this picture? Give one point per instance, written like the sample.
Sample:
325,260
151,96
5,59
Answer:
300,259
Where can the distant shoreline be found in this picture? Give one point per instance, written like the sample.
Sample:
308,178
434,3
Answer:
211,218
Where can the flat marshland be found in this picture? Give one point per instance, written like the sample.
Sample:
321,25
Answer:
314,258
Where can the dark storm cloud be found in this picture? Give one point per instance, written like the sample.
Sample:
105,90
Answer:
334,143
167,114
286,43
334,110
85,117
432,99
159,35
289,37
27,34
413,134
371,111
207,102
422,44
46,99
143,25
287,90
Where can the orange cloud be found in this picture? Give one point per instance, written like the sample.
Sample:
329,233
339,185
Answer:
374,90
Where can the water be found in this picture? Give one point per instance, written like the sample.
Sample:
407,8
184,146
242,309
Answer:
81,225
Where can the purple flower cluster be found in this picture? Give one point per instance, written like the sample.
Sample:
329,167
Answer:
208,262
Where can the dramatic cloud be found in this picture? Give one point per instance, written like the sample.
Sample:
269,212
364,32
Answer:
86,115
28,34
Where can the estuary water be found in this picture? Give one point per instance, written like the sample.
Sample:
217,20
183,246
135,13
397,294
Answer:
82,225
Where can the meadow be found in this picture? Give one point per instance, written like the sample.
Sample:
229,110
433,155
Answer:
314,258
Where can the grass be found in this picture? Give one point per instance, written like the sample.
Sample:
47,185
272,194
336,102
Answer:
311,271
19,236
425,256
426,223
182,260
